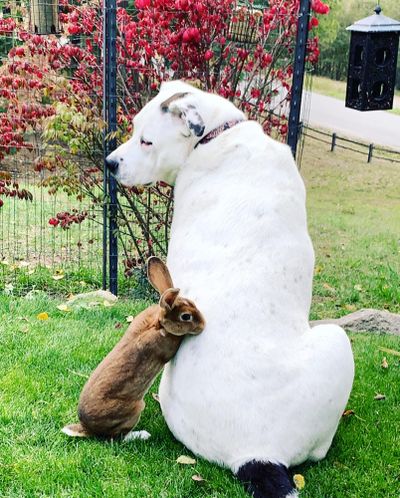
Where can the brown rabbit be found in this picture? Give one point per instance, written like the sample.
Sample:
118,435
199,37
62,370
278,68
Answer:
112,399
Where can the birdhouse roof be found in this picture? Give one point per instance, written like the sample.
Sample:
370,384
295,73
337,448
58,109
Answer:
377,23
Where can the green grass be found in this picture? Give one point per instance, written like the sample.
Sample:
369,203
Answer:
331,88
44,366
337,89
32,252
354,220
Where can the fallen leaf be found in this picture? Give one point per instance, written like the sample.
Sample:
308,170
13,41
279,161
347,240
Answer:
384,363
379,397
390,351
129,318
63,307
118,325
89,300
185,460
43,316
328,287
156,397
198,478
318,269
299,481
348,413
57,277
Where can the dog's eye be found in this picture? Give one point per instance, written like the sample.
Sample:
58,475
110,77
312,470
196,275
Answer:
145,143
186,317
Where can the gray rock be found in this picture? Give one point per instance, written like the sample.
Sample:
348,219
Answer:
366,320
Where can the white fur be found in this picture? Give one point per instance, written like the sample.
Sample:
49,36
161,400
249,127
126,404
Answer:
69,432
258,383
132,435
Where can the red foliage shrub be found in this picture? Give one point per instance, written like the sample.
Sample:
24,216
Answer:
51,86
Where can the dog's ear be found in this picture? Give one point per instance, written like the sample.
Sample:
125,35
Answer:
158,275
182,105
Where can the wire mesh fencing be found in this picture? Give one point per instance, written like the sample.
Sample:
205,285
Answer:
50,234
52,128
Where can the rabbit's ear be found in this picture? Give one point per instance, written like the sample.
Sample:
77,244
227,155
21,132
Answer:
168,299
158,275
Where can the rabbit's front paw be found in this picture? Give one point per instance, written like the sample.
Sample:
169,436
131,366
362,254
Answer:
136,435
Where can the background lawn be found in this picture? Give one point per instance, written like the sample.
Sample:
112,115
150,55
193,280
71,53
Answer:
354,219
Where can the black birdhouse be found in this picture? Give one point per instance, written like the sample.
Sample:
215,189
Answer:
371,74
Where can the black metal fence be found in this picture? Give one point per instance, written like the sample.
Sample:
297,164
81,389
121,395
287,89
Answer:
333,140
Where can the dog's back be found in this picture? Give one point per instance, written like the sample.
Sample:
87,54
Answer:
240,221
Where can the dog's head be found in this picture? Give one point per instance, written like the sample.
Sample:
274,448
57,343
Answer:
165,132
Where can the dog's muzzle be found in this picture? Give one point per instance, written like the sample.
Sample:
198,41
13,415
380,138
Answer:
112,165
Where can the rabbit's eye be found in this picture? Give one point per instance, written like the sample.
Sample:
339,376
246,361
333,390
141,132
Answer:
186,317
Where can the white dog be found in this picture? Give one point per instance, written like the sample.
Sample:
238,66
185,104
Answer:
259,390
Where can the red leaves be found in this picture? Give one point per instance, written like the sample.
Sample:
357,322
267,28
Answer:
319,7
8,188
209,54
191,35
53,222
163,39
313,23
66,219
142,4
7,26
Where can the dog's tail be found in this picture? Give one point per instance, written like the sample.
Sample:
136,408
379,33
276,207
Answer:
266,480
75,430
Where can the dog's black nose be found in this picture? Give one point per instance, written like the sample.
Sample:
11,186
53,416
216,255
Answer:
112,165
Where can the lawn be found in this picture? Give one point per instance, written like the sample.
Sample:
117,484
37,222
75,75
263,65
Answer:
45,364
354,220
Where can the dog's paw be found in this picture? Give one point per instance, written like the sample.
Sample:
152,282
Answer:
143,435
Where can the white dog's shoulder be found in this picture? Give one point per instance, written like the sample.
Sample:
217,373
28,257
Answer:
251,392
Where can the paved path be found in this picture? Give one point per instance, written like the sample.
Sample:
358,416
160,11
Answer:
378,127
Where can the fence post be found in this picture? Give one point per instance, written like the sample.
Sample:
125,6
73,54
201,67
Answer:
110,117
333,144
370,151
298,74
